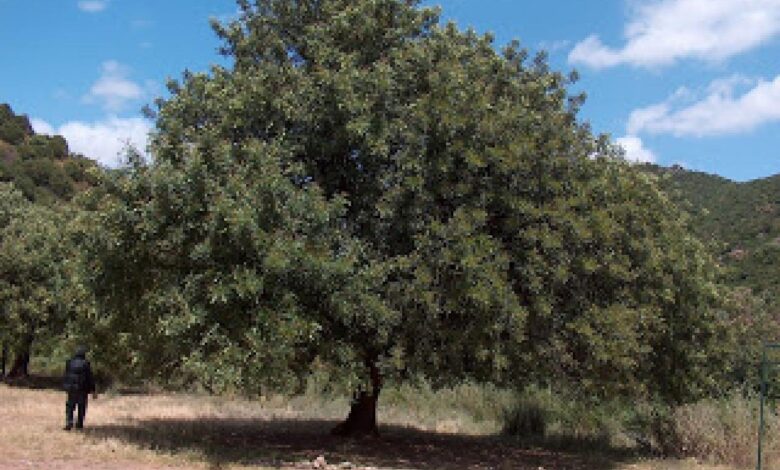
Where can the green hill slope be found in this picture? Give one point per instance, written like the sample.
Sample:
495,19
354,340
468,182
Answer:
740,221
41,166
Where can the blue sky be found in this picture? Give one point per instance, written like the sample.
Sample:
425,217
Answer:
689,82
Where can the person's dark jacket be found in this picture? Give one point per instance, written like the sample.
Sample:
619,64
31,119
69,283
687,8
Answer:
78,375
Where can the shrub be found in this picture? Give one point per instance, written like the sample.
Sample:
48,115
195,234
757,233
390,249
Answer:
566,419
527,419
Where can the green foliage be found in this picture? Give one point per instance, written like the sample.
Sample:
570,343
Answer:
41,166
740,225
36,267
227,264
12,204
7,153
566,419
40,180
40,288
740,222
81,170
40,147
48,174
13,129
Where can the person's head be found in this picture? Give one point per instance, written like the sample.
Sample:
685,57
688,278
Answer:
81,351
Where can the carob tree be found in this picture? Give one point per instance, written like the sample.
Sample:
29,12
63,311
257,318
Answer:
366,189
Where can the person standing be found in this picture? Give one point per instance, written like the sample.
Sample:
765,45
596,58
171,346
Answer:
78,382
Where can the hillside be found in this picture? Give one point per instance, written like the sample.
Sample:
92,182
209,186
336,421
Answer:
41,166
739,221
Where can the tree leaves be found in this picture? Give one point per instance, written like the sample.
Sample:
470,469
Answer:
37,269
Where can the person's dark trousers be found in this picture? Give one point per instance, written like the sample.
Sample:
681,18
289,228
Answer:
76,400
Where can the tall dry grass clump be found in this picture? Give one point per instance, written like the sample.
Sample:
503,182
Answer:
723,431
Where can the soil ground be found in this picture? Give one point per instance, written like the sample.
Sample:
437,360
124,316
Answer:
151,432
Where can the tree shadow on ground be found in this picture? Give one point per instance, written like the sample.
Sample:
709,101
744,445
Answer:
54,382
34,382
292,442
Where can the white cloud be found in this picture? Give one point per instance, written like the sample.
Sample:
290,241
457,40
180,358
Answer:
720,111
93,6
42,127
635,149
104,141
554,46
113,90
593,53
662,32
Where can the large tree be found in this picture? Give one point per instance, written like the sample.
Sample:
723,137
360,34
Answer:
367,188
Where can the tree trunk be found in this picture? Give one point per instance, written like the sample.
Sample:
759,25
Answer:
3,359
361,420
20,366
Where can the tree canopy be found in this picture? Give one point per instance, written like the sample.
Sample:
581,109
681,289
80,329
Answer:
370,189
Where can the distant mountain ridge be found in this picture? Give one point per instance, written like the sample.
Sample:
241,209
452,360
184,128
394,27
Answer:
739,221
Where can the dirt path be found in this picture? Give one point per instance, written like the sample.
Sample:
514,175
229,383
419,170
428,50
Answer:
173,432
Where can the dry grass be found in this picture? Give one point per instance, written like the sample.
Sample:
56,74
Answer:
689,464
158,431
725,431
31,436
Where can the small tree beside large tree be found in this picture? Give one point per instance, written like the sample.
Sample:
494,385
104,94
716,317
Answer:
37,265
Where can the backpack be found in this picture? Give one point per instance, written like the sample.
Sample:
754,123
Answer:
76,375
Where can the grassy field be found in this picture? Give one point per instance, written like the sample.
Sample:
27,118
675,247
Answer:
139,431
